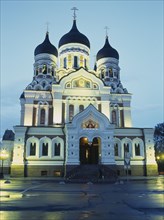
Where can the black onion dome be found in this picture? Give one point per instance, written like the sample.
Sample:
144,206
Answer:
22,96
74,36
107,51
46,47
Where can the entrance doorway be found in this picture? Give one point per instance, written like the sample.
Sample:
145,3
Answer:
89,152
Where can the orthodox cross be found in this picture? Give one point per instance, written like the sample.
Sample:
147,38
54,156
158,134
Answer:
47,26
106,28
74,13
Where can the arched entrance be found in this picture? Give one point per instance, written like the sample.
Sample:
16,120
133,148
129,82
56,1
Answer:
89,151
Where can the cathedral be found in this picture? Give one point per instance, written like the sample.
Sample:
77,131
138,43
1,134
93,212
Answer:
74,116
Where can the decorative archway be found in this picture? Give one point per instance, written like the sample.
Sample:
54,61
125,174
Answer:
92,125
89,152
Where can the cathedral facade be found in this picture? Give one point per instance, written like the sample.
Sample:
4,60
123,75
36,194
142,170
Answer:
72,115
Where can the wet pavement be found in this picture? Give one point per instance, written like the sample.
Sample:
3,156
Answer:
140,199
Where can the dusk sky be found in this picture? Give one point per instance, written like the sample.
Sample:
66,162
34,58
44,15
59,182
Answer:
135,31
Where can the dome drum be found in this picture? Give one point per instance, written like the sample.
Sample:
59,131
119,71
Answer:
74,56
74,48
40,58
110,60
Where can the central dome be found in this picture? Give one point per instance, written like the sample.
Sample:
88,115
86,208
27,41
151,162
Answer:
74,36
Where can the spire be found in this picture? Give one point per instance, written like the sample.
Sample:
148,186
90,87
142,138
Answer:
74,13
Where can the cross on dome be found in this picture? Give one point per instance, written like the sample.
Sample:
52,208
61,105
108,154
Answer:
47,26
106,29
74,13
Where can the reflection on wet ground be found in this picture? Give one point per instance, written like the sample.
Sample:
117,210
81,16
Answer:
46,200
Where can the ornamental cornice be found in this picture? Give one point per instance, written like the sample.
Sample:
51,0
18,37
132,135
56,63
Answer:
73,49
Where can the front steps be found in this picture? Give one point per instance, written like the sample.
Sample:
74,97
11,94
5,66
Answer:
91,173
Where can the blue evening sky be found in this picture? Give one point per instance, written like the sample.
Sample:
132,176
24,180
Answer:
135,30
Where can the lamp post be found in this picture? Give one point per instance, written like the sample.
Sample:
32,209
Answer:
3,156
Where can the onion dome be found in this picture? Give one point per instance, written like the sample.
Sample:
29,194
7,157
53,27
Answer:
46,47
22,96
74,36
107,51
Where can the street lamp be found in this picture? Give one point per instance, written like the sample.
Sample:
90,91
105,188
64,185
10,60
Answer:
3,156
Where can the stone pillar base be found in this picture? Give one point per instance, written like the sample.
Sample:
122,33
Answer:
17,170
152,170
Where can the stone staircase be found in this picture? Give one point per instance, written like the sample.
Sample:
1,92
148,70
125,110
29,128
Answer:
91,173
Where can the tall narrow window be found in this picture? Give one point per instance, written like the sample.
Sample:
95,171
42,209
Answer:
116,149
42,116
34,117
103,73
137,150
36,71
85,63
71,112
110,72
44,69
57,149
75,62
65,62
52,71
121,118
32,149
126,148
45,149
114,117
81,108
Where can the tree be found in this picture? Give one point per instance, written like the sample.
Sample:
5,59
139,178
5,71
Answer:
159,137
159,145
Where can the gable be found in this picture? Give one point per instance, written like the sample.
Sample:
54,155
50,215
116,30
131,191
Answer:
91,118
81,79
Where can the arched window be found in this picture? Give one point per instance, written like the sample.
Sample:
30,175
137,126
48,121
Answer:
32,146
32,149
126,148
45,149
37,71
75,62
116,150
52,71
85,63
44,69
114,117
71,112
42,116
102,73
65,62
57,149
81,108
110,72
137,150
